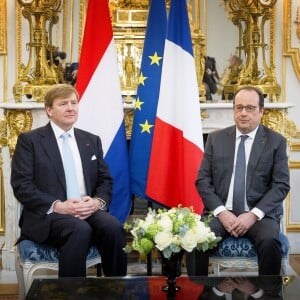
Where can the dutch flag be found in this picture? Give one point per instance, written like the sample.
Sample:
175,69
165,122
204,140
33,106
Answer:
100,107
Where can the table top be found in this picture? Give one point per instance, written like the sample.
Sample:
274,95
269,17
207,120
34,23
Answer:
143,287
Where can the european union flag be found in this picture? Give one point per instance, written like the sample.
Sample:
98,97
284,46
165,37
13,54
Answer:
147,97
177,145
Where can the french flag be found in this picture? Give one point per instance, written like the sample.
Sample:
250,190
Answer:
100,107
177,146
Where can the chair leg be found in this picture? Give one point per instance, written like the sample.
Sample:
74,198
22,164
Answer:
217,269
28,277
20,278
99,270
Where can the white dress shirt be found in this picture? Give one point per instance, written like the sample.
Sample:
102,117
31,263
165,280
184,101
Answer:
76,155
248,146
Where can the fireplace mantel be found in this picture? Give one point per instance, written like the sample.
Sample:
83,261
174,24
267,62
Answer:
217,115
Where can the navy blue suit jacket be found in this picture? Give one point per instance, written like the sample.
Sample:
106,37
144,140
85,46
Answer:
38,179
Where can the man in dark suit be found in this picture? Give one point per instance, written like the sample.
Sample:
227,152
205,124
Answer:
49,215
266,184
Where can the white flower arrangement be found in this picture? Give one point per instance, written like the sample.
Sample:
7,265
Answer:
170,231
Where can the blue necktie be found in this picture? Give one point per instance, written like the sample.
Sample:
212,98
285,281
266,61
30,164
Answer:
239,187
69,167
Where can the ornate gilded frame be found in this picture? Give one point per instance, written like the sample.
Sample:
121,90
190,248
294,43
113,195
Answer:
291,224
3,27
3,51
291,24
2,204
291,38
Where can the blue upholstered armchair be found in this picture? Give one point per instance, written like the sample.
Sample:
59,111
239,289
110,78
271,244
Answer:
31,257
239,254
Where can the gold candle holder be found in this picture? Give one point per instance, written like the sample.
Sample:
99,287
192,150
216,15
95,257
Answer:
250,16
40,72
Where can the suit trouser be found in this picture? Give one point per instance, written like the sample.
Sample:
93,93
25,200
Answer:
264,235
73,237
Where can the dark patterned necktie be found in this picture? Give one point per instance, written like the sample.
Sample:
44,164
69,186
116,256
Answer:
239,187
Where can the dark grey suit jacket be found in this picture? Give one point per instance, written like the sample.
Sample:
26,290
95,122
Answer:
267,182
37,176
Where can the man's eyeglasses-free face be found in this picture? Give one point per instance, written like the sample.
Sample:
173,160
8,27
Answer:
248,108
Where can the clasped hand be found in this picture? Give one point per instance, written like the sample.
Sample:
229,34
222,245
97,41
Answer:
237,225
79,208
242,284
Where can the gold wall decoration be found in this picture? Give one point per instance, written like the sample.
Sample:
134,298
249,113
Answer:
18,121
292,216
274,119
2,201
295,147
277,119
251,17
40,72
3,142
199,44
82,18
297,135
18,36
128,117
3,27
292,201
65,23
129,21
291,33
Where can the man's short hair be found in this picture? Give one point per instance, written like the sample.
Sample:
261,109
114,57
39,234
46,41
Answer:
261,96
59,91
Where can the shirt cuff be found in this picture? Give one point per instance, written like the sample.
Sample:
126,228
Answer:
219,209
102,204
258,294
50,210
217,292
259,213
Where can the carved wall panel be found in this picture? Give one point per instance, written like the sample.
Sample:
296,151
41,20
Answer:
3,27
3,142
292,202
291,33
3,51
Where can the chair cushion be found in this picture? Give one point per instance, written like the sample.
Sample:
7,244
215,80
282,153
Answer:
243,247
285,245
33,252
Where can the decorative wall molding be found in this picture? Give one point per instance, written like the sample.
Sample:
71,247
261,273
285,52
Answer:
292,212
3,27
291,24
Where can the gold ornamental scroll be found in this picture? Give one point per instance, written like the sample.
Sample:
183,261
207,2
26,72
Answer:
3,28
251,18
291,33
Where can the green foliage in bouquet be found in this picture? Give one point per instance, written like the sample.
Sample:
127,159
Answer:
170,231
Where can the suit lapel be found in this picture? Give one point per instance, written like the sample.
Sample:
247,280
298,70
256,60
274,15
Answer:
256,152
227,152
50,146
84,147
229,146
51,149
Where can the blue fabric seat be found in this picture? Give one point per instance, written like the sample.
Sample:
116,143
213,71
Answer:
32,252
32,257
239,253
